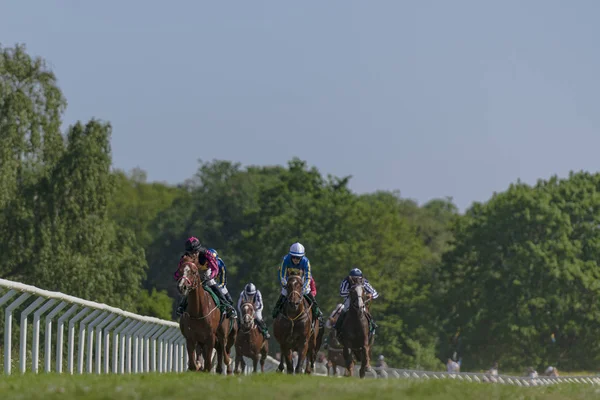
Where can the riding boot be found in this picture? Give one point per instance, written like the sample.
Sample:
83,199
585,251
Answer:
372,325
278,305
228,297
182,305
263,328
231,310
231,303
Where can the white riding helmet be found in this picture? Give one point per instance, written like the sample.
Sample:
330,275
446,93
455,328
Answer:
250,289
297,250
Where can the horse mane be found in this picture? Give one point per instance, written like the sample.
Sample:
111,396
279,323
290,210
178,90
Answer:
189,258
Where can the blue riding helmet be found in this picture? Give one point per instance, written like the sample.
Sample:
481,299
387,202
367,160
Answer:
356,272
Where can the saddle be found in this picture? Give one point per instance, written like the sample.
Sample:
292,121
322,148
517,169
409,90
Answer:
222,307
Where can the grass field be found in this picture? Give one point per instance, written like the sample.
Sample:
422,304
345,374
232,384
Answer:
267,387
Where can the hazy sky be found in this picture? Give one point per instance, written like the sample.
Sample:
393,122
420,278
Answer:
432,98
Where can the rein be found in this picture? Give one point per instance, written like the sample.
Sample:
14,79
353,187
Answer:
252,323
300,314
193,286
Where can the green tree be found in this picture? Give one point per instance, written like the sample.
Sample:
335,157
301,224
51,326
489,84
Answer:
136,203
54,228
524,267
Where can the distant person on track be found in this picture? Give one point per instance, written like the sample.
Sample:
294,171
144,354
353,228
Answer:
381,362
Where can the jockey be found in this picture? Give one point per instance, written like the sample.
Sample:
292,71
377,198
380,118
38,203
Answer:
345,293
296,261
222,277
252,295
207,259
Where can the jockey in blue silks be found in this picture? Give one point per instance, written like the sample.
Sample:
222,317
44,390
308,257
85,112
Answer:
221,278
296,261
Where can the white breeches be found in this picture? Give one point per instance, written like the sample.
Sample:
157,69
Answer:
224,289
258,315
205,276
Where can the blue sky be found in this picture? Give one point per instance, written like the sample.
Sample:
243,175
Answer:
431,98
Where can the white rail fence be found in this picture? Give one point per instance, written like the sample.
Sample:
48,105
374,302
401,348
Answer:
108,338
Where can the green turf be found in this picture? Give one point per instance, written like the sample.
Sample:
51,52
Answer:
268,386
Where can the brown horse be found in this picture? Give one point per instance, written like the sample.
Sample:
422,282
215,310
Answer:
335,349
355,330
202,324
293,327
250,341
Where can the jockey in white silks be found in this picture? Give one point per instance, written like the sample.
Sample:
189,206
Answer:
251,294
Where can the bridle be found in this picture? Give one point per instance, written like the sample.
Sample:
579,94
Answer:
248,318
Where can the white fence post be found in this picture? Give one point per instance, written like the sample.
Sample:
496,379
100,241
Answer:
35,345
23,334
48,335
90,340
155,350
8,331
100,341
59,337
107,342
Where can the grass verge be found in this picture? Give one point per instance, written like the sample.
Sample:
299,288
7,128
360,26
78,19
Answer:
267,387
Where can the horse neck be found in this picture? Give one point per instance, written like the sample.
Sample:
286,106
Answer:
358,312
301,309
200,301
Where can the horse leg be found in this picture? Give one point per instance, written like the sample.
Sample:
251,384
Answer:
263,357
238,358
310,355
207,352
301,356
220,352
190,347
349,361
364,360
255,363
288,361
367,355
228,345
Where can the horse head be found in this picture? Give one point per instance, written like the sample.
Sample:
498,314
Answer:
295,289
189,276
357,293
247,320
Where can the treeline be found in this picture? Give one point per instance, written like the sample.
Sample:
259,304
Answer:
515,279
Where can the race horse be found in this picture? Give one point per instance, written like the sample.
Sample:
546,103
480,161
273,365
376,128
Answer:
203,324
354,331
335,349
250,341
335,354
295,329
